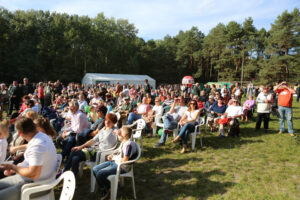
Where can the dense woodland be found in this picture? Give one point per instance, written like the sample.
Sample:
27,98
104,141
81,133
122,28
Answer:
49,46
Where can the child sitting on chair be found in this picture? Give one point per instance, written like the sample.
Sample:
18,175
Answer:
4,131
128,150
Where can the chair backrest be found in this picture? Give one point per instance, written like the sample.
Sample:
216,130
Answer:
201,121
69,185
140,125
138,156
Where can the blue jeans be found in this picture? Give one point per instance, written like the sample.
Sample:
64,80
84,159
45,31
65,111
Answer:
84,136
133,117
185,131
73,161
288,112
298,97
102,171
68,144
169,124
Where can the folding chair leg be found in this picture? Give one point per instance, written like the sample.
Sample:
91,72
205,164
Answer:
133,187
81,169
114,188
141,144
122,181
93,181
52,197
154,131
193,140
201,141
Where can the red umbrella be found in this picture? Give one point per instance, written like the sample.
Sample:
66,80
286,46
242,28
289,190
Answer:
188,80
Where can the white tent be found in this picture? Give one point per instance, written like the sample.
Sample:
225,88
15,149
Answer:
95,78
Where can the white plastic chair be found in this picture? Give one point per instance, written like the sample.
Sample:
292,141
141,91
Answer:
49,195
114,179
137,133
100,157
66,194
161,125
201,122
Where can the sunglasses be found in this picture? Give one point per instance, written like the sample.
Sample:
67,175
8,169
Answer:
234,101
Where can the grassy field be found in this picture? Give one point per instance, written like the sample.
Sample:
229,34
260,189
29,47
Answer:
257,165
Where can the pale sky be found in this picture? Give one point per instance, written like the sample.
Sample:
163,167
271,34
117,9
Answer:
156,18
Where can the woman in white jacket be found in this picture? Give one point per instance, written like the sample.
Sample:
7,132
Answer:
264,103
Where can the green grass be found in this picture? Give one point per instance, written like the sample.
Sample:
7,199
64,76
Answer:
257,165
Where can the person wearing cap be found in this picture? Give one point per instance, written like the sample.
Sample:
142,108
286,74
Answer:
285,101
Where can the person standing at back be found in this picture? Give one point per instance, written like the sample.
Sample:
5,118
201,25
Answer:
285,100
15,95
298,92
147,87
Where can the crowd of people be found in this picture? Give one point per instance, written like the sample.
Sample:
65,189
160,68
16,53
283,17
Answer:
43,116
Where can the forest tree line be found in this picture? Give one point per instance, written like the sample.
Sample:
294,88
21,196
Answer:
43,45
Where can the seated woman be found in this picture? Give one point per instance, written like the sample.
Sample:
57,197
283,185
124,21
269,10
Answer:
105,137
188,123
127,151
215,112
247,108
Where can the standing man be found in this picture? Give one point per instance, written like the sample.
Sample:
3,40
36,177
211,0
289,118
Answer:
27,87
147,87
196,89
14,94
298,92
285,100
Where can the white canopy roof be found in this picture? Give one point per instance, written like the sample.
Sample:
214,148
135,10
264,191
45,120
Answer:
95,78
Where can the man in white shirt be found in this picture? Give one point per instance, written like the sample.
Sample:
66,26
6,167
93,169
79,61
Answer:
232,113
172,118
79,122
39,161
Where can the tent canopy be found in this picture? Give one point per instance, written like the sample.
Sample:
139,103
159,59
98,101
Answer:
96,78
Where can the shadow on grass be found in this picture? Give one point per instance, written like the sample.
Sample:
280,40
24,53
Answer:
163,181
151,152
227,142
